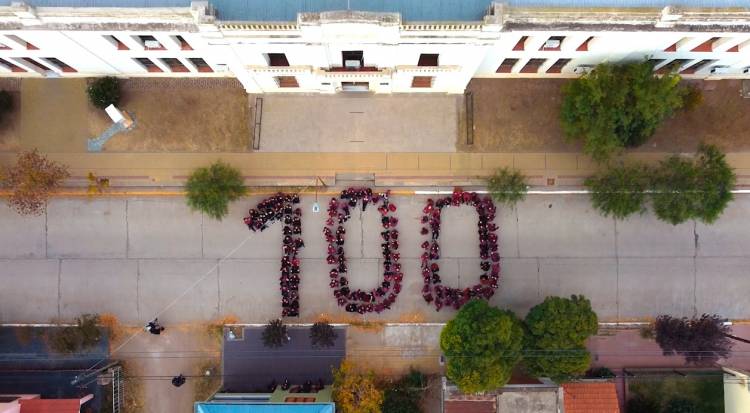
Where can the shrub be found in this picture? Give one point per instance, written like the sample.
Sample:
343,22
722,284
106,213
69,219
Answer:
322,335
83,336
210,190
6,103
104,91
600,373
482,344
641,404
702,340
698,189
679,405
692,97
507,186
405,395
275,334
620,191
618,106
31,181
354,392
556,331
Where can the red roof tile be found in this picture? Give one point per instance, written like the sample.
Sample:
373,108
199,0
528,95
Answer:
50,406
590,398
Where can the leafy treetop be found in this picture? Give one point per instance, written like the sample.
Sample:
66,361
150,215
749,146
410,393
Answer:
482,345
355,392
556,331
210,190
618,106
702,341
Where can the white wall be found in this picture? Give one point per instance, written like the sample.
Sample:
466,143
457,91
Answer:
465,51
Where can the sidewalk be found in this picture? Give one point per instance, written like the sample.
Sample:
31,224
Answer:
378,168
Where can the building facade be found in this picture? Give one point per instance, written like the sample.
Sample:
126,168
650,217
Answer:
399,46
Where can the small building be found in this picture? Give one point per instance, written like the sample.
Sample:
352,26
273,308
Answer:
736,390
590,396
530,395
521,395
33,403
295,378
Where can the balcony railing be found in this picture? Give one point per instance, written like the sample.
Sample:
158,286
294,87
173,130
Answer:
426,70
366,72
281,70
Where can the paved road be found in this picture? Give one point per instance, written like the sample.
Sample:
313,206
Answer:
135,257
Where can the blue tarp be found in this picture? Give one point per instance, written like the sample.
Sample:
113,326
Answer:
264,408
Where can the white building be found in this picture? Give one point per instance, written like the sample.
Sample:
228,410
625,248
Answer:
385,46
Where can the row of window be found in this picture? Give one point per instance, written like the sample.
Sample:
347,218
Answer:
174,65
45,65
552,44
532,66
148,42
353,59
707,46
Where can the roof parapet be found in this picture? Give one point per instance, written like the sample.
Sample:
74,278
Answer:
25,12
349,16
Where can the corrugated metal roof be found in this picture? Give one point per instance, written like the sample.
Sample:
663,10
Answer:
411,10
629,3
103,3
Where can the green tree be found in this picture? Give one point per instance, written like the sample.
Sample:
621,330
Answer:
556,331
210,190
104,91
355,392
618,106
275,334
322,335
685,189
679,405
482,344
620,191
405,395
507,186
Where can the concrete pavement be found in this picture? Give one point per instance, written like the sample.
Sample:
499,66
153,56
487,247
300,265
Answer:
387,169
359,123
139,257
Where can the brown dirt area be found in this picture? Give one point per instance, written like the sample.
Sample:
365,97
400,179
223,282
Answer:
521,115
174,115
10,126
180,115
10,123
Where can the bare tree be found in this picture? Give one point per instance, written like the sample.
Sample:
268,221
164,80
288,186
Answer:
31,181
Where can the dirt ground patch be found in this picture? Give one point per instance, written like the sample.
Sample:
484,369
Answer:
723,119
181,115
522,115
10,126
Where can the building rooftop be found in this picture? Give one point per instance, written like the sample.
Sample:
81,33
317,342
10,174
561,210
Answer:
410,10
50,406
590,397
250,367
